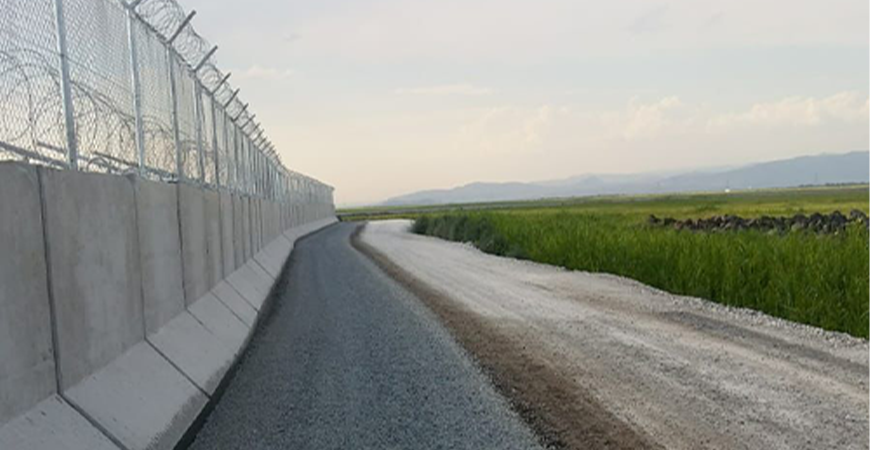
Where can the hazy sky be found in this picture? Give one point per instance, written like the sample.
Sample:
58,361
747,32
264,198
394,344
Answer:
384,97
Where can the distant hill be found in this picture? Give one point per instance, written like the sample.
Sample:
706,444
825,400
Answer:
805,170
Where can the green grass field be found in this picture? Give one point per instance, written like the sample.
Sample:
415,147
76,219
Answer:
820,280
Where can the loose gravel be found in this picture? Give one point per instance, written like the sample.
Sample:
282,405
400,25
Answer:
348,359
680,372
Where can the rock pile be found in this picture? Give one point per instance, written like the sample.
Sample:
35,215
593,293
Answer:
818,223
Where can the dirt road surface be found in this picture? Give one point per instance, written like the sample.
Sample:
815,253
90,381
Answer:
599,361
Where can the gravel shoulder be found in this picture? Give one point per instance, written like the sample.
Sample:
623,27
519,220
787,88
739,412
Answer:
599,361
348,359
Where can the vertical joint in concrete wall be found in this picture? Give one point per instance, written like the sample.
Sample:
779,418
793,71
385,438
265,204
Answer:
51,302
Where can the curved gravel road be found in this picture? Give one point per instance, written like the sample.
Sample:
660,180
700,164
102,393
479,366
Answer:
349,359
653,370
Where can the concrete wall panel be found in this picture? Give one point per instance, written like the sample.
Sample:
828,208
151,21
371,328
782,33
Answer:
286,223
264,223
194,243
275,226
238,232
256,219
227,247
268,221
261,219
27,372
214,256
247,242
90,222
159,252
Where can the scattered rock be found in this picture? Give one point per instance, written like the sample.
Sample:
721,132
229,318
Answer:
832,223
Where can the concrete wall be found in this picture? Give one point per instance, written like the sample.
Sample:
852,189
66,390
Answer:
256,225
90,225
159,252
27,372
123,302
238,231
227,246
247,241
194,248
214,256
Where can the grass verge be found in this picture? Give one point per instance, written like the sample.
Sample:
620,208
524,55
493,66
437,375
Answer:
820,280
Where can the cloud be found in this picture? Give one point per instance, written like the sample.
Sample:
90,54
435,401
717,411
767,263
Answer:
510,130
263,73
849,107
446,89
515,130
292,37
650,21
648,120
716,19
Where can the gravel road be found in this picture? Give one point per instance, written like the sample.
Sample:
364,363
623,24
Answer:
635,366
348,359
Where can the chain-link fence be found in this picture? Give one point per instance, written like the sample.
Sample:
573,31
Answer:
128,86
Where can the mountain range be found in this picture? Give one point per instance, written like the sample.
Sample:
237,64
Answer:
853,167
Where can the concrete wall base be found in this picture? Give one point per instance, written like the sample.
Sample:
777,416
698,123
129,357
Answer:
140,399
226,327
52,424
195,350
249,286
234,301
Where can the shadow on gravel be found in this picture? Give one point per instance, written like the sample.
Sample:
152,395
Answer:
263,319
563,416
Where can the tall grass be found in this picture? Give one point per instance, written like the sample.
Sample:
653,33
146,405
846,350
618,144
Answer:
820,280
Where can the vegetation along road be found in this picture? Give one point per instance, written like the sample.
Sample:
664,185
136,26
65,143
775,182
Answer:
799,254
600,361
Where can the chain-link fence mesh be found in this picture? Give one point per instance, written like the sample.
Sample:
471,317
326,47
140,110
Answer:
156,102
31,117
128,86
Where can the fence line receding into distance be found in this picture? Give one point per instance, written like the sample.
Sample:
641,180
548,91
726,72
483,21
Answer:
128,86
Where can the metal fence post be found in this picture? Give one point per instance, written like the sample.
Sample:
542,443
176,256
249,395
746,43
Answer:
173,92
137,90
253,152
255,168
246,167
258,164
236,153
214,145
198,118
72,147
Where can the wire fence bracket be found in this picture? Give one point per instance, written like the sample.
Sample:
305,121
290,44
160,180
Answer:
205,59
180,28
